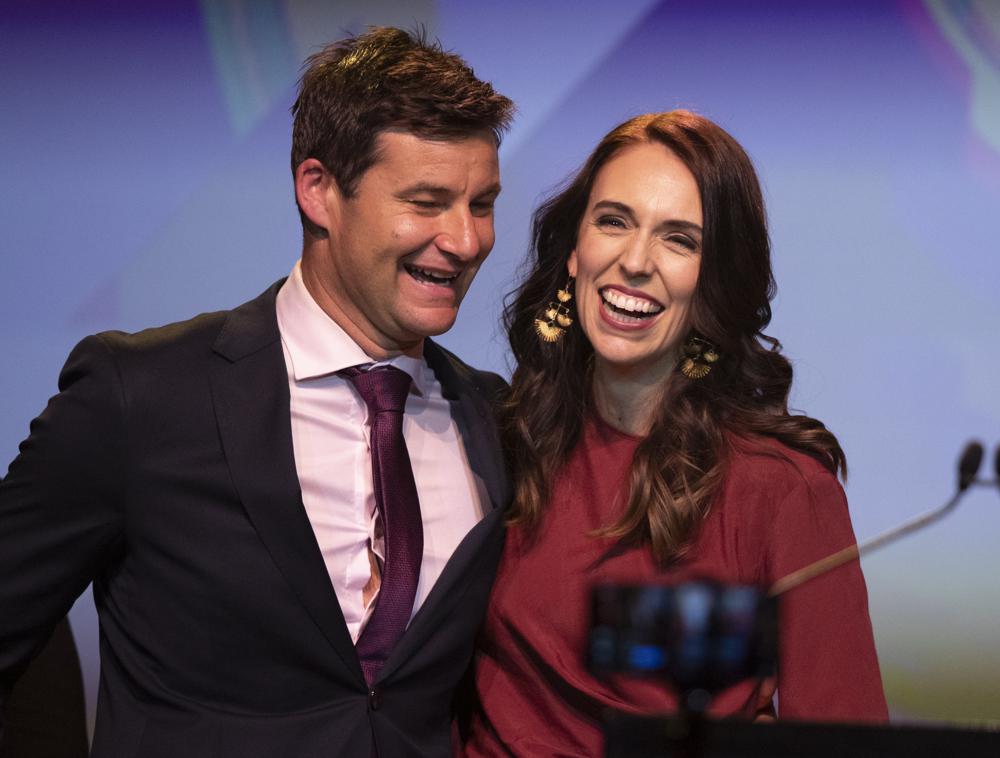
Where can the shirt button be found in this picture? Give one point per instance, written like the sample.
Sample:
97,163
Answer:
374,698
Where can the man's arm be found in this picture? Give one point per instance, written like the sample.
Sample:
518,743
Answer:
61,505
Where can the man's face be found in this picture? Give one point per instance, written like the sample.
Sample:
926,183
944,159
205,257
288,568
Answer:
404,249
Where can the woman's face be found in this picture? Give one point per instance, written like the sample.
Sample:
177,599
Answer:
636,261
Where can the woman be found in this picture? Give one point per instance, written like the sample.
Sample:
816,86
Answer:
650,440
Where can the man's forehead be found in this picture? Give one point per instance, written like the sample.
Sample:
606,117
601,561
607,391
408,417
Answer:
405,158
393,143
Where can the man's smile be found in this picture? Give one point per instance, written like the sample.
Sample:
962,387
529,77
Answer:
428,276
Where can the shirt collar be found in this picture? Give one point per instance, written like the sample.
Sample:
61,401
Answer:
316,344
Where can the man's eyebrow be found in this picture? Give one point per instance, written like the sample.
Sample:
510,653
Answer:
493,189
438,190
426,187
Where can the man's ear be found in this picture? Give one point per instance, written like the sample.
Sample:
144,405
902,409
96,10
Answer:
313,185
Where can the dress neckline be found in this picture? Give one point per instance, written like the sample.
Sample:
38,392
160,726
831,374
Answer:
607,432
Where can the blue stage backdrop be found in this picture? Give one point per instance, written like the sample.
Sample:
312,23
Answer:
145,179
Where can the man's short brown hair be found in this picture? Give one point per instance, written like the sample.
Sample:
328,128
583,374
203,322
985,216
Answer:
387,78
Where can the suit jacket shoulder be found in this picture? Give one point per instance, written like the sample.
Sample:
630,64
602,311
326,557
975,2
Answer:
455,373
233,333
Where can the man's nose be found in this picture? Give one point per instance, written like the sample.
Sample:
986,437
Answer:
461,234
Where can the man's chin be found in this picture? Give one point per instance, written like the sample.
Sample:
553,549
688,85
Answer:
434,329
430,322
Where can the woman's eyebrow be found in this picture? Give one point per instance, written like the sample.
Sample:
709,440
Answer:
681,225
614,205
626,210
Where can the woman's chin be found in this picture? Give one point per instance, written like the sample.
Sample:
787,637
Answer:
633,365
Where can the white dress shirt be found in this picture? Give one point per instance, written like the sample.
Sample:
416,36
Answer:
330,439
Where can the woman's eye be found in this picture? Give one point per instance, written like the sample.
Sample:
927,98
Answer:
613,221
683,241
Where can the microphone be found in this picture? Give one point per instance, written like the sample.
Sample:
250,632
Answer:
996,464
968,466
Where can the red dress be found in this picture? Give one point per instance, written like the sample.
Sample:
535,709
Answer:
778,510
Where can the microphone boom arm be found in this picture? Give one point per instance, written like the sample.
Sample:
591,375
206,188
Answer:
851,552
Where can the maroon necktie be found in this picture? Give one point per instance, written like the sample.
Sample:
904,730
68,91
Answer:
384,390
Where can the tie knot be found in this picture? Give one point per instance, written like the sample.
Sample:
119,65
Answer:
383,388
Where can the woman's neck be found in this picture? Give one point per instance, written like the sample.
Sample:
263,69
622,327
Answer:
627,400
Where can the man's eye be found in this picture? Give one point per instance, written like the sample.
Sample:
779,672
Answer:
424,203
481,209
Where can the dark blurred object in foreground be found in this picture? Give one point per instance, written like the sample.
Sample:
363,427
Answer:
45,715
644,737
699,637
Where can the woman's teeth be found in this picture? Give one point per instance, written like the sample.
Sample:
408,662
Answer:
632,307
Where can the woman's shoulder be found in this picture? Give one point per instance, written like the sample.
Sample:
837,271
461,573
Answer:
768,472
757,456
789,506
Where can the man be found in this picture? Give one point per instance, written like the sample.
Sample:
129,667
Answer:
273,576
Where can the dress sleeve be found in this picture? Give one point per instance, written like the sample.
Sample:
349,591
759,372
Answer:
60,505
828,668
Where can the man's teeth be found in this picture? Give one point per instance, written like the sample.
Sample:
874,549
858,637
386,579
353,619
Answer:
630,305
424,275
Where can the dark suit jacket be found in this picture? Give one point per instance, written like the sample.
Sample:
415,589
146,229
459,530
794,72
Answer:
163,471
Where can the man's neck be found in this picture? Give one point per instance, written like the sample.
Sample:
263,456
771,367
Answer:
316,283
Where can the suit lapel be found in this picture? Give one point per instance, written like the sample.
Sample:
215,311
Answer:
448,591
474,418
251,399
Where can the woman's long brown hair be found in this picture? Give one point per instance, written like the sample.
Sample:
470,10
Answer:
679,466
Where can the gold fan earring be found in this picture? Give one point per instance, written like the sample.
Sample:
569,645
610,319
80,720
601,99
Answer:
701,355
555,319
